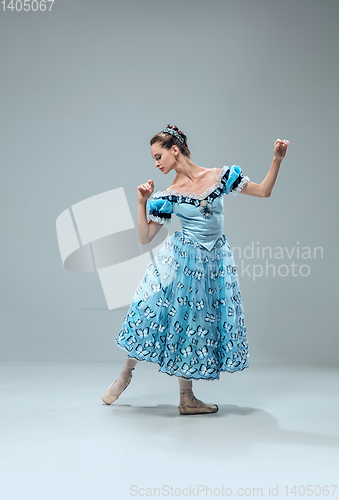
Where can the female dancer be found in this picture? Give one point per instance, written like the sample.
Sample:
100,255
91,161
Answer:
186,314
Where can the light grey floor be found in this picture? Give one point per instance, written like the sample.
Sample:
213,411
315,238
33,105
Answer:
277,425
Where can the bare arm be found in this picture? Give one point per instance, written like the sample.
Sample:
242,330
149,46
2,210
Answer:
146,230
264,190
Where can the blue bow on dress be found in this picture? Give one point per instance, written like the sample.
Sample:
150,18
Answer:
162,206
234,173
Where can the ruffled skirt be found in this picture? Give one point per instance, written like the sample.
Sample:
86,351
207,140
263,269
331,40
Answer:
186,314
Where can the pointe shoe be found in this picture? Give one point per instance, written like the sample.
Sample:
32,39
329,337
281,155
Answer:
108,398
191,407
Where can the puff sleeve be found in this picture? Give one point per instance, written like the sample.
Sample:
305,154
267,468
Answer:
159,210
233,180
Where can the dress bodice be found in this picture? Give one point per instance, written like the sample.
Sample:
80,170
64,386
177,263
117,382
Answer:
204,226
201,215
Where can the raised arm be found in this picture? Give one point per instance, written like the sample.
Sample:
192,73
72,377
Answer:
264,190
146,230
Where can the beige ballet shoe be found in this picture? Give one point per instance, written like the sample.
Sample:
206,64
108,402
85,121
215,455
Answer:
108,398
191,407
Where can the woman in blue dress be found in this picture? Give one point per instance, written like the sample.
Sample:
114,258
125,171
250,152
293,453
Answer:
187,314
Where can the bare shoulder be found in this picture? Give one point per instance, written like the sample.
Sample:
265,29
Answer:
206,175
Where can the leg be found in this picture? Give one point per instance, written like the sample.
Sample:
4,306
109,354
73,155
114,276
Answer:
186,391
189,404
121,383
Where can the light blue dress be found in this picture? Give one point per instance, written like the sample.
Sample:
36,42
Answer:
186,314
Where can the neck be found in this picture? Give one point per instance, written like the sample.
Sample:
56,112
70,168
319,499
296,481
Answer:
186,171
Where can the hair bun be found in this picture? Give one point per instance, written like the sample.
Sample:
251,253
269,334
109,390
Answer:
171,135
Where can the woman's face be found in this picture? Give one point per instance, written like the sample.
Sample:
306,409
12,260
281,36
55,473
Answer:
164,158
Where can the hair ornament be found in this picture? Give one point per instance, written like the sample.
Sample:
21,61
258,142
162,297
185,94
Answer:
175,133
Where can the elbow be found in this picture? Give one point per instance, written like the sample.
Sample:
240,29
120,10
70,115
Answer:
144,242
146,239
263,191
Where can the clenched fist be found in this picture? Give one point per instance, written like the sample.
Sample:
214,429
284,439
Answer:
280,148
144,191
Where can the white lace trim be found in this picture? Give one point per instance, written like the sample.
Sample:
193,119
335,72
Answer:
241,184
156,218
198,196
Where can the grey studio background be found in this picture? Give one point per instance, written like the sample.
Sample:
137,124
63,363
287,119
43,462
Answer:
84,87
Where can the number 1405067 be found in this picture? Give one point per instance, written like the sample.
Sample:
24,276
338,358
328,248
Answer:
27,5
